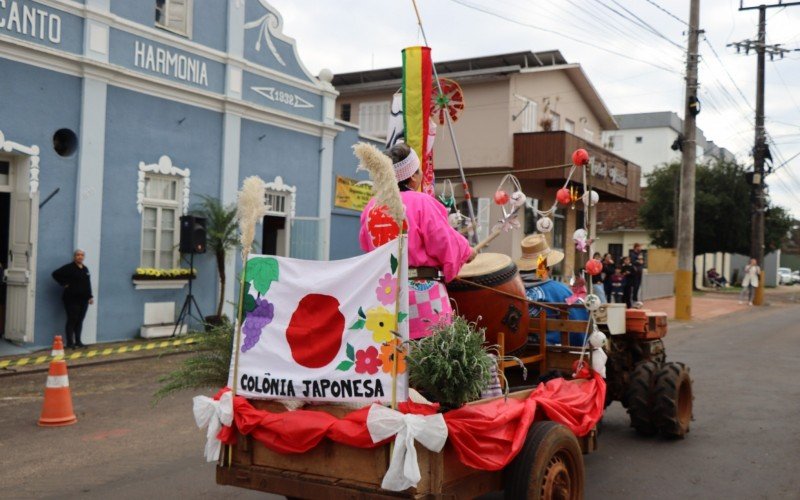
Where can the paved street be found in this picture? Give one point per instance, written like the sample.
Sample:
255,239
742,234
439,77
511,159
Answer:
743,443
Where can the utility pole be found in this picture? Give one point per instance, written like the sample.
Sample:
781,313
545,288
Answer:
685,236
760,148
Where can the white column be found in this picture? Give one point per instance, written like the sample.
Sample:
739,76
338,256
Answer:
89,193
326,160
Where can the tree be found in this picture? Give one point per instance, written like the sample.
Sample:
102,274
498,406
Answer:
722,209
221,236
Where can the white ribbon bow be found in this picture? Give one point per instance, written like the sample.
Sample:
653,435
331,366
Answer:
213,414
429,430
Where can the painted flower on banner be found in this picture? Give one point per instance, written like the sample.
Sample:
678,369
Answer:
381,322
387,356
367,361
387,289
257,318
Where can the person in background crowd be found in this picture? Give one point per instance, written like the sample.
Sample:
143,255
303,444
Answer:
597,282
751,275
77,296
715,279
608,272
617,286
637,259
628,272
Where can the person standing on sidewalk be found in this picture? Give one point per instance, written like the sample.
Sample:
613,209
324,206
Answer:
74,278
750,281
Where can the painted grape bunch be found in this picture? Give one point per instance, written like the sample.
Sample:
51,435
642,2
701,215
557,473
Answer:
256,320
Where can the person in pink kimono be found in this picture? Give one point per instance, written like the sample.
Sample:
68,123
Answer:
436,251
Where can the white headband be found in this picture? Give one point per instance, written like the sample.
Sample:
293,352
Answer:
406,167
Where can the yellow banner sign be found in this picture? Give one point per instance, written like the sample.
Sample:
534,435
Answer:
350,194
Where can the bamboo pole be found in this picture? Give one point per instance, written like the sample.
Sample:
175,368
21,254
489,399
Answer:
400,264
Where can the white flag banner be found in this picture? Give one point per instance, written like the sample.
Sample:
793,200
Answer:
324,330
395,127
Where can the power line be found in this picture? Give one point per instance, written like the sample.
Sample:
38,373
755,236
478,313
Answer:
646,25
465,3
665,11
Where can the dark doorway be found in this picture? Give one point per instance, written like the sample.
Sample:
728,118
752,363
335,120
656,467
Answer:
272,235
5,221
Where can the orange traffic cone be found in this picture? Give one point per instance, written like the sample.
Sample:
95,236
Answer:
57,409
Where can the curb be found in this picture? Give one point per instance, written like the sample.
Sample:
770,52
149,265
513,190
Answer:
31,361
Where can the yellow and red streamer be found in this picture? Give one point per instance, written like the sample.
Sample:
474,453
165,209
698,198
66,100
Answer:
417,89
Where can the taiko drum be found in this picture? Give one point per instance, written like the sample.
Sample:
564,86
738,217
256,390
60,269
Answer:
477,298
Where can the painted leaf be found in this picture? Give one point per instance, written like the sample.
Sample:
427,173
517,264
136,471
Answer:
261,272
358,325
401,317
345,365
361,313
351,354
394,264
249,303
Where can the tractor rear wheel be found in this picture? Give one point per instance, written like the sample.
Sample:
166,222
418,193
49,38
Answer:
672,400
549,465
639,397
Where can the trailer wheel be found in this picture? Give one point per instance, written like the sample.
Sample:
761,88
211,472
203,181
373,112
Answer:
549,465
639,397
672,400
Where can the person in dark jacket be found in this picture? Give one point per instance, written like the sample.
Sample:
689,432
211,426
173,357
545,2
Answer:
77,296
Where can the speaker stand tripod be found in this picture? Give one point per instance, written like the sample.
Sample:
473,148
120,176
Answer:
186,309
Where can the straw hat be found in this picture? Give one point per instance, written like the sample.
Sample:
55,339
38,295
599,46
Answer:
532,247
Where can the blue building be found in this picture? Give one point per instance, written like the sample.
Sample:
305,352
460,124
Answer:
116,114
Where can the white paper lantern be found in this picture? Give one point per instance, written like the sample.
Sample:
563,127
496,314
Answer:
597,339
592,302
591,195
518,199
544,225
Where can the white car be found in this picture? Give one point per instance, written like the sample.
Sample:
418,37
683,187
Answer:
796,276
784,276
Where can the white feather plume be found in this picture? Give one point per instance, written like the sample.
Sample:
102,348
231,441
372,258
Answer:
381,172
251,209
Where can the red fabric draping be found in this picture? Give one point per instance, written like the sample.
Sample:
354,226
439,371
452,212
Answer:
485,436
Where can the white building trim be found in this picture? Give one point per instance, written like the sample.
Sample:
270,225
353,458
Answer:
163,167
180,42
44,57
32,152
278,187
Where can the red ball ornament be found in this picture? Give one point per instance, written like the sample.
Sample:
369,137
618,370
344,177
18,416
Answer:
563,196
594,267
580,157
501,197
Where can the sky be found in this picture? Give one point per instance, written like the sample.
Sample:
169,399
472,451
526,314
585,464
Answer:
632,50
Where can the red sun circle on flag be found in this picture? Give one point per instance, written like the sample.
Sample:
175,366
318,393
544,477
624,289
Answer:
382,228
315,331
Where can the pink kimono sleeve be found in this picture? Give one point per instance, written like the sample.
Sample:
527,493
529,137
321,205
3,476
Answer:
443,243
363,234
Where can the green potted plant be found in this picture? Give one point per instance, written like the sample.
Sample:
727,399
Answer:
452,366
221,237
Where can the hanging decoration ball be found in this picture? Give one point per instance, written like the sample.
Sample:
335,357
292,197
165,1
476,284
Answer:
544,225
594,267
518,199
563,196
454,220
590,198
579,234
597,339
580,157
501,197
592,302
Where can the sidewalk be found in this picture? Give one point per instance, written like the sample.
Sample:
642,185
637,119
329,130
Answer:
709,305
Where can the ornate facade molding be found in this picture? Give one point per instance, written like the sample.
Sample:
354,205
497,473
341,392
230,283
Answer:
32,152
163,167
278,187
